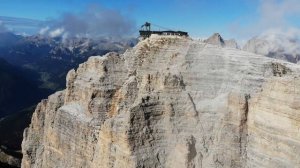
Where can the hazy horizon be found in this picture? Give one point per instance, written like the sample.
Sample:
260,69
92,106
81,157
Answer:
239,19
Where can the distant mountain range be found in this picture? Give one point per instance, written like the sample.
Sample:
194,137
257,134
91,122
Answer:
16,90
279,46
18,97
33,67
52,58
275,46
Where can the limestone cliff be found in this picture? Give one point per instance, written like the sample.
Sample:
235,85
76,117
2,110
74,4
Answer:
170,102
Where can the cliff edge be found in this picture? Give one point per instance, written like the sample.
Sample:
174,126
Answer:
170,102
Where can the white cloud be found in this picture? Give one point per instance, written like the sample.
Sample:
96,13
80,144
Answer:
44,30
285,42
277,29
276,13
271,16
3,28
93,22
57,32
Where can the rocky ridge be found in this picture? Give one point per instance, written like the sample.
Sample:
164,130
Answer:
217,39
170,102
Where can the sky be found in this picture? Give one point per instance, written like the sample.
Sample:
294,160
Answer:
239,19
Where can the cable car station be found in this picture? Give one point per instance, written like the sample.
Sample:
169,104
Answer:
146,31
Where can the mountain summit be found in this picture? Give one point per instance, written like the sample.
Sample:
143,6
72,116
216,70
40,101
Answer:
217,39
170,102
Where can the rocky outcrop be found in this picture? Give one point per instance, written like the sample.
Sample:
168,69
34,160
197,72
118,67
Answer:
273,125
8,160
170,102
217,39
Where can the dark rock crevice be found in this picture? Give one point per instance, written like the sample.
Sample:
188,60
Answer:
243,128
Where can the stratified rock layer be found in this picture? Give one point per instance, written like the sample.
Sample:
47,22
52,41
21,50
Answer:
170,102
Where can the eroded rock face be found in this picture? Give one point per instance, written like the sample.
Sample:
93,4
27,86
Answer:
170,102
273,126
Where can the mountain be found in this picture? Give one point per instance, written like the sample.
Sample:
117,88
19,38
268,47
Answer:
51,58
16,91
11,129
275,46
33,67
170,102
8,39
217,39
17,95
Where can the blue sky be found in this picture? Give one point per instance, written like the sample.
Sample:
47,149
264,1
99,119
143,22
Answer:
200,18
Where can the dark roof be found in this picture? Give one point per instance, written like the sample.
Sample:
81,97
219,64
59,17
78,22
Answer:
145,33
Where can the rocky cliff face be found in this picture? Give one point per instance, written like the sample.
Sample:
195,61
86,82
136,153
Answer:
170,102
